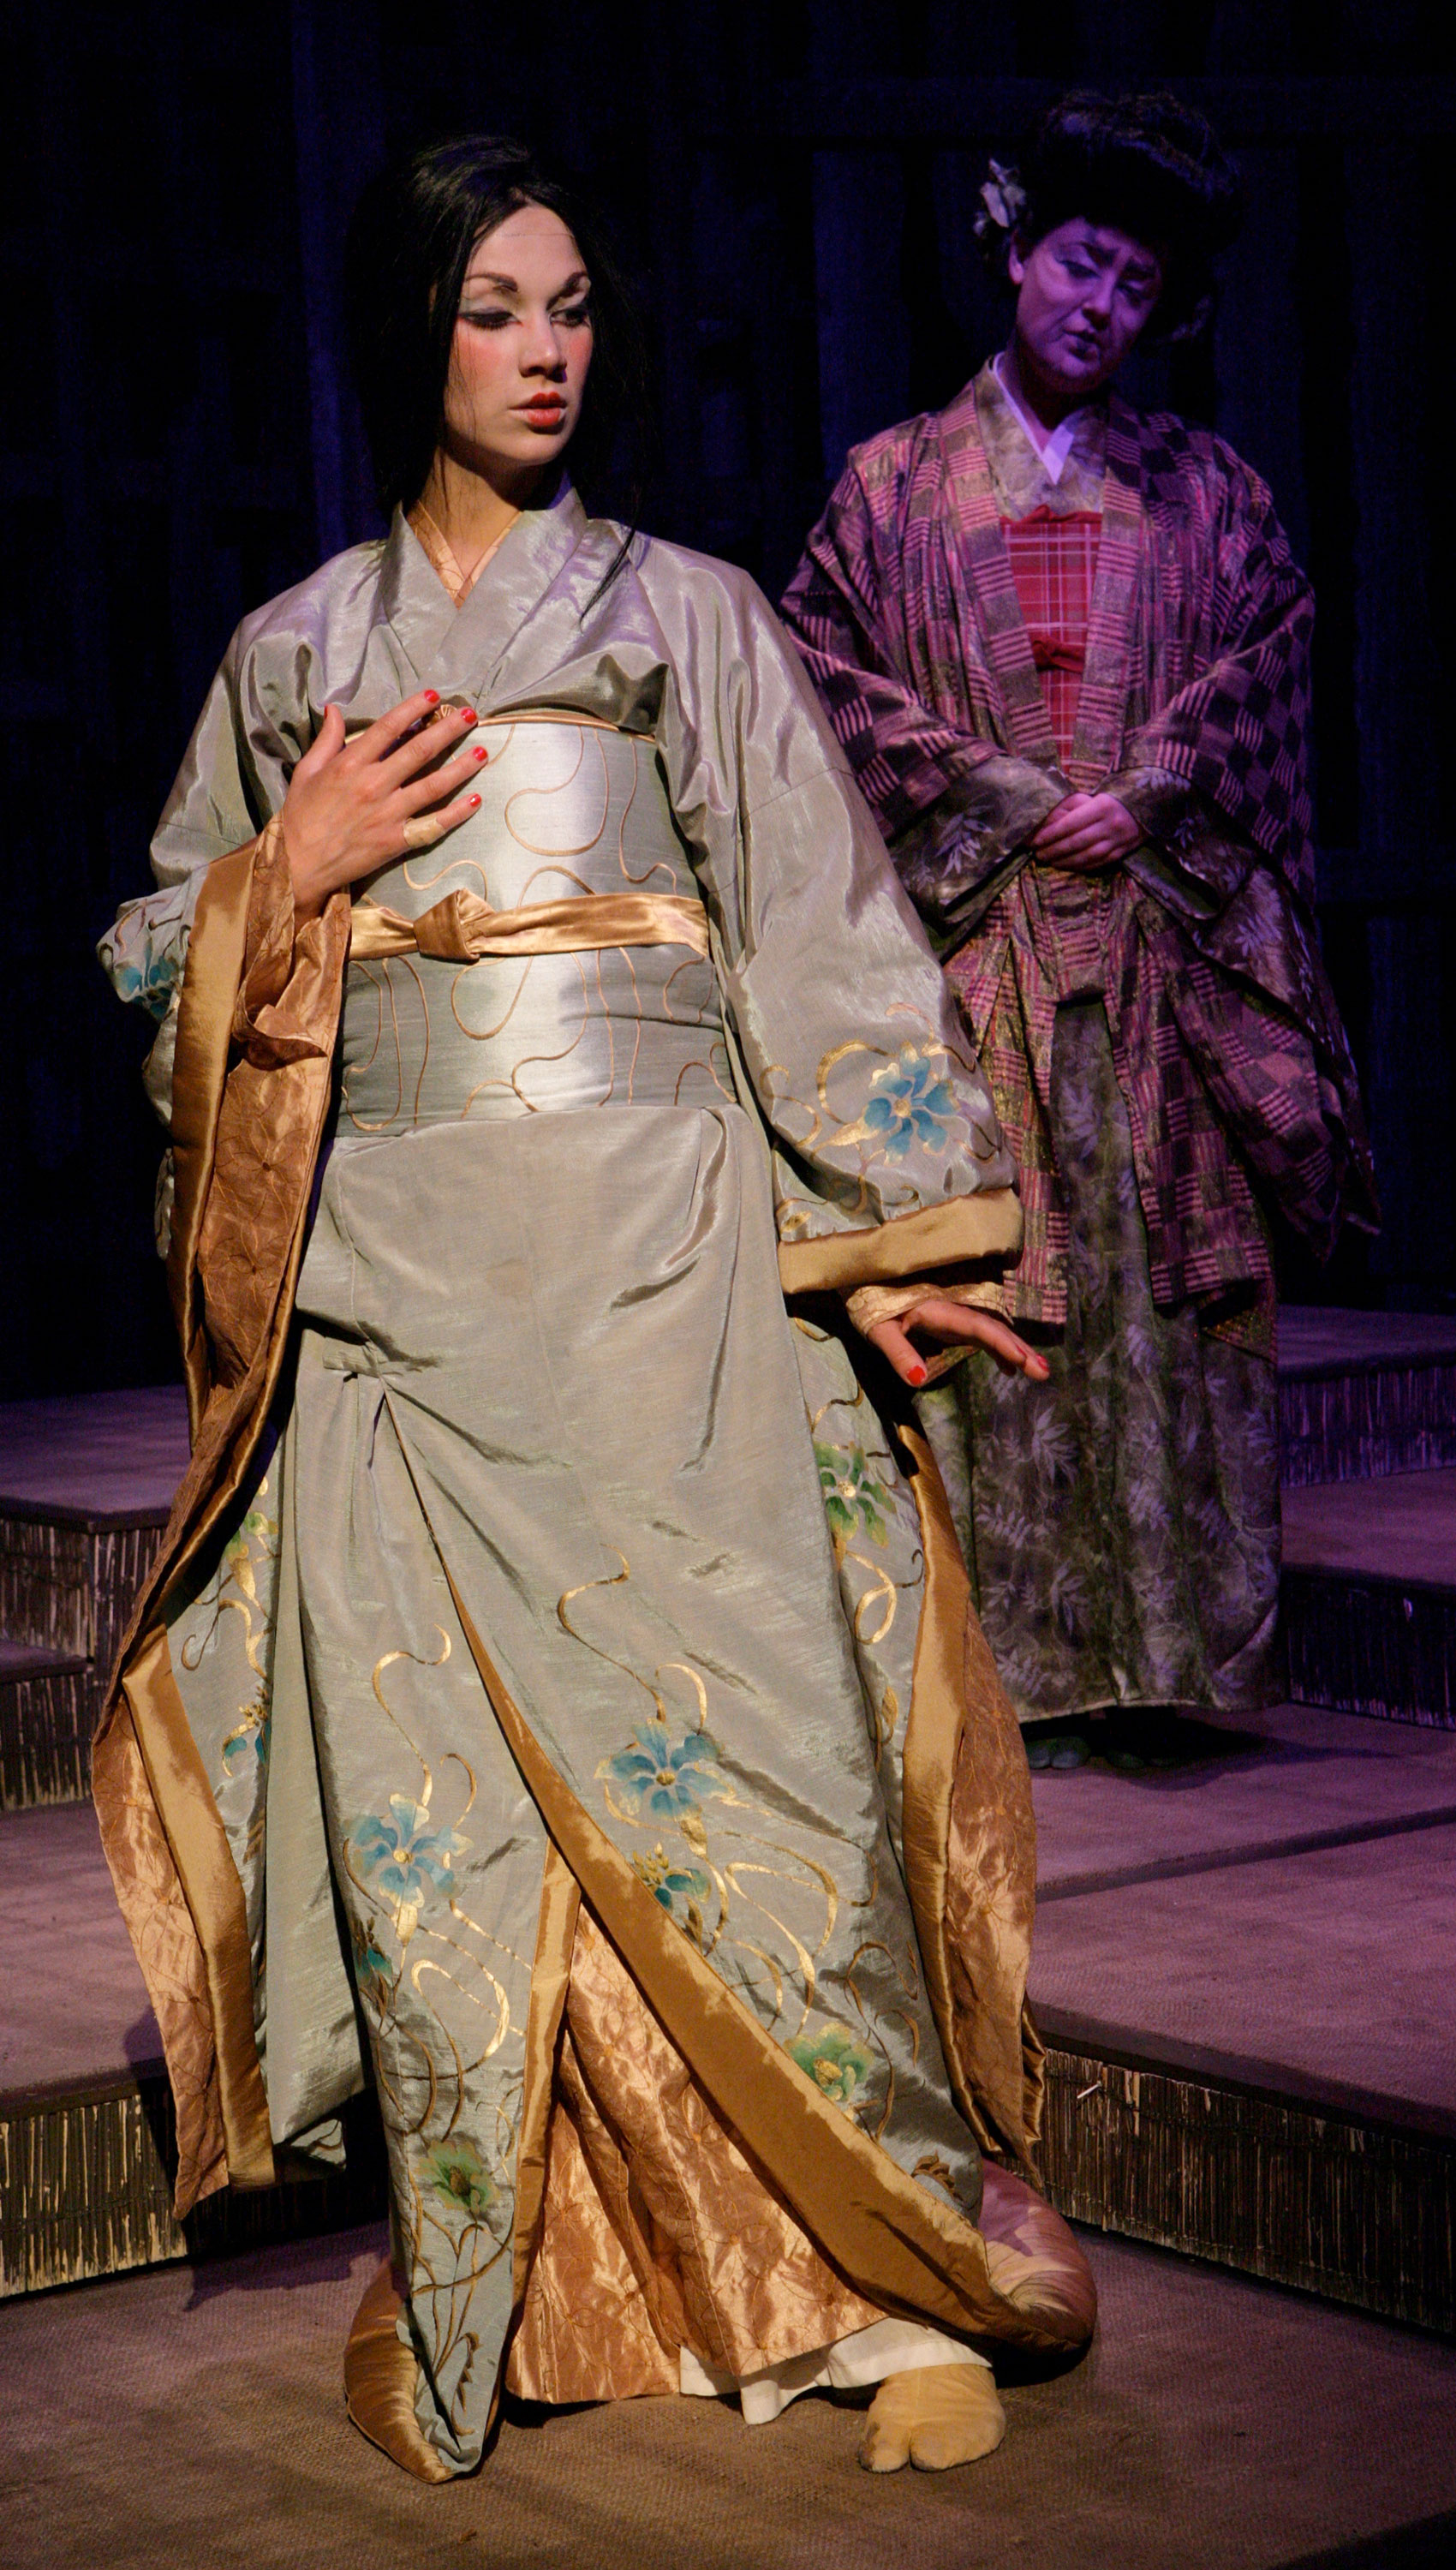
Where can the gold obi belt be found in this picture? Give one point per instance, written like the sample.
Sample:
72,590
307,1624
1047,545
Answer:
550,954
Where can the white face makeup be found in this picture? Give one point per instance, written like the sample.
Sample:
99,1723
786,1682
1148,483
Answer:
521,350
1085,294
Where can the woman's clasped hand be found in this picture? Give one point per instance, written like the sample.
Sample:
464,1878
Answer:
1085,833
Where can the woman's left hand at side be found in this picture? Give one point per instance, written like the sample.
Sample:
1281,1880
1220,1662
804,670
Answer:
953,1325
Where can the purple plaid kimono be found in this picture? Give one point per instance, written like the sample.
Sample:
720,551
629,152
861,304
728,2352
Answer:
1160,1039
1229,1052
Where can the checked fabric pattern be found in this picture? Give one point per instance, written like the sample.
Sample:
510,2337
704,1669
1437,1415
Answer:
948,577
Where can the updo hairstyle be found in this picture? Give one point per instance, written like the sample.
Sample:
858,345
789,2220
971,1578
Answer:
1143,165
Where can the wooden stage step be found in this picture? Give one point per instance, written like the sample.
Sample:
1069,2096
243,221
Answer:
1245,1971
87,2140
85,1489
47,1716
1365,1392
1369,1596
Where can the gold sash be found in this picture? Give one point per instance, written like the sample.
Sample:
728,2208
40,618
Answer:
462,927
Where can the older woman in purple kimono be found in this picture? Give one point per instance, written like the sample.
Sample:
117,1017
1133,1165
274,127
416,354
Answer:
1066,650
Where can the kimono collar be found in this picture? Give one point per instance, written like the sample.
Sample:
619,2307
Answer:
989,609
459,650
1063,483
1054,449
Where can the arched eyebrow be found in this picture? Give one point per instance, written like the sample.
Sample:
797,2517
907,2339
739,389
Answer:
484,278
1143,269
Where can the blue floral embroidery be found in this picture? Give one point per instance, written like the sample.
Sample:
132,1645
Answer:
401,1856
661,1777
912,1104
372,1976
251,1737
670,1883
152,982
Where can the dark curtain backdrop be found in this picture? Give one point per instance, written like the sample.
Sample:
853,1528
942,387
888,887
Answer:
792,186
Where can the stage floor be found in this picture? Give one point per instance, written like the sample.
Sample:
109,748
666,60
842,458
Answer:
196,2417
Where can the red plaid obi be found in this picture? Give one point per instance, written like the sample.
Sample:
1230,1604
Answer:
1054,566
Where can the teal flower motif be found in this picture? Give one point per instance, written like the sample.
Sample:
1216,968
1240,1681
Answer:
911,1105
853,1499
372,1976
670,1883
152,982
838,2064
403,1855
250,1740
456,2171
661,1777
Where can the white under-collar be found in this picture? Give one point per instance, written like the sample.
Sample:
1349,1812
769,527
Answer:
1053,450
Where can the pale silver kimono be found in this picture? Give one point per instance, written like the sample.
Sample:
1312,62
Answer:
566,1545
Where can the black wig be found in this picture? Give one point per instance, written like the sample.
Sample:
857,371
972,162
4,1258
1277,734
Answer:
1144,165
405,261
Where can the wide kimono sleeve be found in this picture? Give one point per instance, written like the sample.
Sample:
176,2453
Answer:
1225,757
888,1162
958,808
231,783
1217,777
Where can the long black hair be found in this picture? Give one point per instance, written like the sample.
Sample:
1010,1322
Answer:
1145,165
405,261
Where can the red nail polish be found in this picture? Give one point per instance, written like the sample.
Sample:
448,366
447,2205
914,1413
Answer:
473,801
917,1374
481,754
432,696
467,715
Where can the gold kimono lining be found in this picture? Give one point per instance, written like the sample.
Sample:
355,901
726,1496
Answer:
984,1226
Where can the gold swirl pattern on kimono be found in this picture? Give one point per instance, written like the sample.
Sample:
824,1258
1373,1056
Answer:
668,1776
401,1864
570,889
456,2174
251,1554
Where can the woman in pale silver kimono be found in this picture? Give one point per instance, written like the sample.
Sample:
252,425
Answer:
557,1700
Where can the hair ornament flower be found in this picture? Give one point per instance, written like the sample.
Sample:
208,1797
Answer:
1003,203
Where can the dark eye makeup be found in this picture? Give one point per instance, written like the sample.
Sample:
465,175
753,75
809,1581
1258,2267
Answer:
495,316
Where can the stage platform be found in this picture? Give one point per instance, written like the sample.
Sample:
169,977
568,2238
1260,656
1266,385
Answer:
1216,2424
1245,1968
85,1487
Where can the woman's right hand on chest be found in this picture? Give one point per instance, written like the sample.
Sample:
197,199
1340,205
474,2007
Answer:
355,805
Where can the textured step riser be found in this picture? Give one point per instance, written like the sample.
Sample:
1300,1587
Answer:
1370,1646
84,2191
67,1588
1360,1426
1348,2211
46,1725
